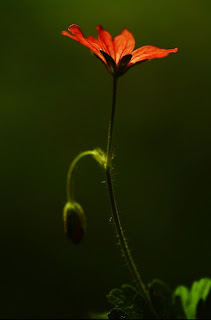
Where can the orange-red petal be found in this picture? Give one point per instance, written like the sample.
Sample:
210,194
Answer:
90,42
106,41
94,40
117,54
149,52
124,44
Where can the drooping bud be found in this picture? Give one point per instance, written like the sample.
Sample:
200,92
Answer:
74,221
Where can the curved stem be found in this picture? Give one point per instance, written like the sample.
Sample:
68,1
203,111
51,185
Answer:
123,243
71,169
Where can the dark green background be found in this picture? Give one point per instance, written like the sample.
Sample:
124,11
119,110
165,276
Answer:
55,103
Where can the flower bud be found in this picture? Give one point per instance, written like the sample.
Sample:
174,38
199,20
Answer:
74,221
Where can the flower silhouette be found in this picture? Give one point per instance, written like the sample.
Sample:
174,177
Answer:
118,54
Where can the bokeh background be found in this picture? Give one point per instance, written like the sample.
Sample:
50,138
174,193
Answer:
55,103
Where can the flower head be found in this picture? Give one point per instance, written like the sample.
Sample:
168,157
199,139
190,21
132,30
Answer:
118,54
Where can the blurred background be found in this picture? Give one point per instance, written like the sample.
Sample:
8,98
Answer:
55,103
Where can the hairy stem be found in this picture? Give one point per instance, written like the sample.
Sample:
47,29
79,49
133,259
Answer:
123,243
71,169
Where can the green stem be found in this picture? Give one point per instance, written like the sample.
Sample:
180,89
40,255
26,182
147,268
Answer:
111,124
123,243
70,172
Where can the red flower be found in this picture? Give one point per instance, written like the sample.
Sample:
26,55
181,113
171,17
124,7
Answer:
117,54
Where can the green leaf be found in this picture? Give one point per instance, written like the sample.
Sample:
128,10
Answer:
164,304
128,304
117,313
204,308
98,315
194,298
